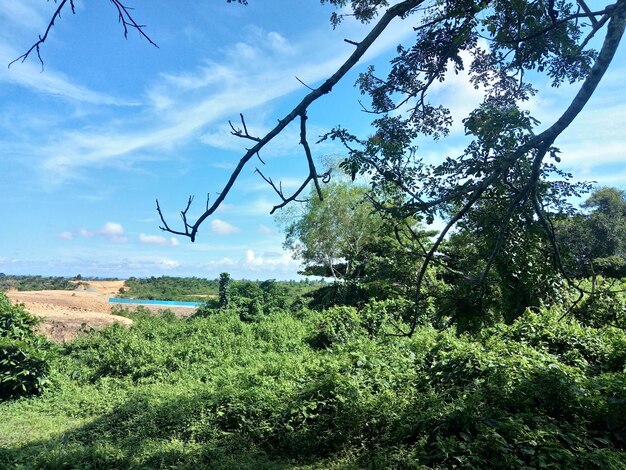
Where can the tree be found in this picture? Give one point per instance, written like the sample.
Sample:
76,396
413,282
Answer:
224,289
333,233
368,253
594,243
504,46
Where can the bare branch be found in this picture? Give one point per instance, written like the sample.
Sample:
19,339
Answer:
395,11
279,191
307,150
42,39
244,134
166,227
304,84
124,17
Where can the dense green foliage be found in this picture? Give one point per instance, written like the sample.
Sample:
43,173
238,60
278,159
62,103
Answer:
24,355
189,289
35,283
594,242
216,392
250,299
194,289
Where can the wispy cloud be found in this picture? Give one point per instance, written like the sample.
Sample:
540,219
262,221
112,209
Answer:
219,227
253,264
157,240
265,230
50,82
112,231
181,107
25,14
66,235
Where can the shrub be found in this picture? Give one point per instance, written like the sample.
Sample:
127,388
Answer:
24,355
605,307
24,367
596,349
338,324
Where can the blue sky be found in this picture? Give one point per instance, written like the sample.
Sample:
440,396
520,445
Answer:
112,123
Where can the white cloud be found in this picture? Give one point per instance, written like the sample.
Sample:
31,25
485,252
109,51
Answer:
282,262
29,75
221,263
112,231
83,232
168,263
181,105
157,240
66,235
220,227
265,230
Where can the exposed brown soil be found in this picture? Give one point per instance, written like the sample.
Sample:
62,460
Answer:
67,312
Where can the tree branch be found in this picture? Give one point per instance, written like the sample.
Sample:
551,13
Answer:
398,10
123,14
42,39
124,17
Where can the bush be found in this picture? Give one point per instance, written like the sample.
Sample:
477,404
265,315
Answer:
607,306
595,349
24,355
338,324
24,367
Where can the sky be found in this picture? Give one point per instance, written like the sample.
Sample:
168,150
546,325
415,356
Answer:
112,123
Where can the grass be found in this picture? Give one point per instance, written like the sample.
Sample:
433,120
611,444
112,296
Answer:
215,392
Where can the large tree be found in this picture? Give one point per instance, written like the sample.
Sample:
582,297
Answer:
509,48
594,242
332,235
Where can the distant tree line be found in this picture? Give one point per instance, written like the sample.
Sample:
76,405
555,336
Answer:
28,282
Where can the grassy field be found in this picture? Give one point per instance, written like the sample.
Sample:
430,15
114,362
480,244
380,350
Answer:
297,390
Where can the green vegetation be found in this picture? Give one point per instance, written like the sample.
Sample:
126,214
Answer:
295,390
36,283
194,289
169,288
24,355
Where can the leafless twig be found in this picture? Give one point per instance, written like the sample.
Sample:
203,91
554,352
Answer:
124,17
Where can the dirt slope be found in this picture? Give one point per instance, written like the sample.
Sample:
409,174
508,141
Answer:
67,312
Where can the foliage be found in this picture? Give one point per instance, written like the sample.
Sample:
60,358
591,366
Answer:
604,303
338,325
224,294
369,254
253,299
332,234
593,243
489,285
188,289
28,283
24,355
216,392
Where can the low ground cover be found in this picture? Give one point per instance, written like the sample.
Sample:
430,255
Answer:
281,391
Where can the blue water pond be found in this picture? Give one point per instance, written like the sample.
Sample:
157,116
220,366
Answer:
164,303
